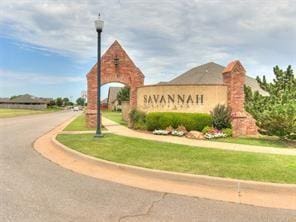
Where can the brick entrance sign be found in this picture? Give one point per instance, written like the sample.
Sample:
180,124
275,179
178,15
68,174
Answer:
242,122
116,66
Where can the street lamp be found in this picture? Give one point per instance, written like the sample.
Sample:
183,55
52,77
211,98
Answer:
99,27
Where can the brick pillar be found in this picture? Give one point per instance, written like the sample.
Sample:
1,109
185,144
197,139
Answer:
91,109
242,122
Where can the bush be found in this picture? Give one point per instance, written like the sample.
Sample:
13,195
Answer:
208,129
221,117
227,131
137,119
191,121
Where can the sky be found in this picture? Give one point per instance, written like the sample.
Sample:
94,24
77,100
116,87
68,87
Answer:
47,47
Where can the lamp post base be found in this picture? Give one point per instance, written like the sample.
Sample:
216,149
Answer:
98,135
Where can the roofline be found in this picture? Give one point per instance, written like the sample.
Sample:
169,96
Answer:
181,85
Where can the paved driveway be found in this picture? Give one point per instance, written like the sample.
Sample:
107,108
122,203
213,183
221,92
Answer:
35,189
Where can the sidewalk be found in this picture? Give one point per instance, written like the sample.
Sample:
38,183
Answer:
118,129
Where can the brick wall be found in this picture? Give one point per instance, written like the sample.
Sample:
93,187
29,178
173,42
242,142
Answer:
243,123
116,66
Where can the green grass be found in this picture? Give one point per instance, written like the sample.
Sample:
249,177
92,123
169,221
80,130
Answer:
114,116
267,141
181,158
6,113
78,124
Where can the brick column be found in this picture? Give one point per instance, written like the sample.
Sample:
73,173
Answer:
242,122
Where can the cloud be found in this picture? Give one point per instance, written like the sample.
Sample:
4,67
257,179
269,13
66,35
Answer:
35,78
165,38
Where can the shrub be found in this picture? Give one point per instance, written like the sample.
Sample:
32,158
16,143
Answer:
169,129
221,117
137,119
227,131
191,121
208,129
182,128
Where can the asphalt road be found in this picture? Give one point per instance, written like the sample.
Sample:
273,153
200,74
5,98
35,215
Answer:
35,189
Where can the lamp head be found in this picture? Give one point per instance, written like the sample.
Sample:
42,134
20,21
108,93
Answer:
99,24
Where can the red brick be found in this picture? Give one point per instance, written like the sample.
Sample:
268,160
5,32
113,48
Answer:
126,72
242,122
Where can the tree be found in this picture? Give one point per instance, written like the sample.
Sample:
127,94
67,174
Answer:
59,101
275,114
80,101
123,95
13,97
66,101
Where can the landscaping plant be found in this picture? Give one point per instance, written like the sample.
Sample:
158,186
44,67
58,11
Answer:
137,119
161,132
221,116
191,121
275,114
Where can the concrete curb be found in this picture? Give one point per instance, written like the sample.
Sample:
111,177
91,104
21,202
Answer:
237,191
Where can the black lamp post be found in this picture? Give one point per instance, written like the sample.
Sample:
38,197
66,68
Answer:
99,27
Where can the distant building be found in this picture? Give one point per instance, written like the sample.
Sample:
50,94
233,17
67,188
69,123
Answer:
25,101
209,73
104,104
113,103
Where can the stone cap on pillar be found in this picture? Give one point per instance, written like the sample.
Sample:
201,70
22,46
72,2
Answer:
234,66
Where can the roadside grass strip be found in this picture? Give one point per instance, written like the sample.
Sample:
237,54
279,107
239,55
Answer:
185,159
6,113
114,116
78,124
266,141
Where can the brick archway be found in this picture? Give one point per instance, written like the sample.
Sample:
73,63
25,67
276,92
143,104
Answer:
116,66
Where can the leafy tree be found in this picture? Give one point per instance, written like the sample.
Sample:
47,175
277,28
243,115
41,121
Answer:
123,95
80,101
275,114
66,101
221,116
59,101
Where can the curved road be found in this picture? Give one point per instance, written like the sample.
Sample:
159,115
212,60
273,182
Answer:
35,189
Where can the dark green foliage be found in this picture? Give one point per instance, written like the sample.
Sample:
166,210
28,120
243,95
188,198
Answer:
59,101
123,95
221,117
137,119
191,121
275,114
66,102
80,101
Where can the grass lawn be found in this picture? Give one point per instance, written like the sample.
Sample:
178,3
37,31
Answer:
114,116
5,113
267,141
181,158
78,124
